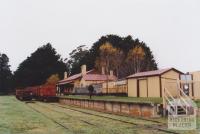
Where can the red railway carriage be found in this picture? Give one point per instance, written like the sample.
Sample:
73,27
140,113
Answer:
23,94
47,93
33,91
43,93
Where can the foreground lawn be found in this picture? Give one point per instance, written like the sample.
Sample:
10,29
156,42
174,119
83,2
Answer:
198,103
17,118
116,98
52,118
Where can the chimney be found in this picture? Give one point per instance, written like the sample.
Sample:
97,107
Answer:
103,70
65,75
83,69
111,72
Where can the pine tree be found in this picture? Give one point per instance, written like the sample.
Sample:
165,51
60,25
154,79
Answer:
5,74
39,66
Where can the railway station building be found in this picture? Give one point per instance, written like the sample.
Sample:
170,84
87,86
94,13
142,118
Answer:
77,83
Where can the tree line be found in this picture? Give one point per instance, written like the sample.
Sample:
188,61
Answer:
123,55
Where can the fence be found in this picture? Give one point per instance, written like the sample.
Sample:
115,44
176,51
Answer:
116,89
119,86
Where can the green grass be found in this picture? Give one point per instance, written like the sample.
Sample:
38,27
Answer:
117,98
19,118
198,103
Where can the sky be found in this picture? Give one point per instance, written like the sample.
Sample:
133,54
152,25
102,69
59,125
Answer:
171,28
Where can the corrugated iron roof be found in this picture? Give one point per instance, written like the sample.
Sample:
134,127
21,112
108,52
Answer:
152,73
73,77
98,77
88,77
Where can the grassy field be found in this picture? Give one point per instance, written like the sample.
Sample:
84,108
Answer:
198,103
51,118
116,98
16,117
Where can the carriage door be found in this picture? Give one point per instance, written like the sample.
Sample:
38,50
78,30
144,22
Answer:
143,88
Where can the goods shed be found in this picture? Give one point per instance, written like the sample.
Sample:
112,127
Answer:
152,83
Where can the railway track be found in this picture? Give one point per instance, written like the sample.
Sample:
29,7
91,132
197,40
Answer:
157,127
85,113
56,122
84,121
114,119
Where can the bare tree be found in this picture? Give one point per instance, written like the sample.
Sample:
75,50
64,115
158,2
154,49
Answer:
117,62
106,59
135,59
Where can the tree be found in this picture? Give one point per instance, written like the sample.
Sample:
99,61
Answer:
107,58
134,62
118,61
120,65
52,80
91,90
5,74
94,52
76,59
135,59
39,66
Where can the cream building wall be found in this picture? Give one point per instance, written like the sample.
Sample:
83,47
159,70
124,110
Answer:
132,87
148,87
77,83
169,81
143,87
84,83
196,84
154,86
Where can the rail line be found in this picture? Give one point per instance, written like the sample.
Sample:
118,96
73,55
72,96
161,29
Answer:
90,114
59,124
84,121
127,122
97,115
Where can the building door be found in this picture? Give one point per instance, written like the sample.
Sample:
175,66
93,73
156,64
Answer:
143,88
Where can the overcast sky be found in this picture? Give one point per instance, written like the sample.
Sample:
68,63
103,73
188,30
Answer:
171,28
